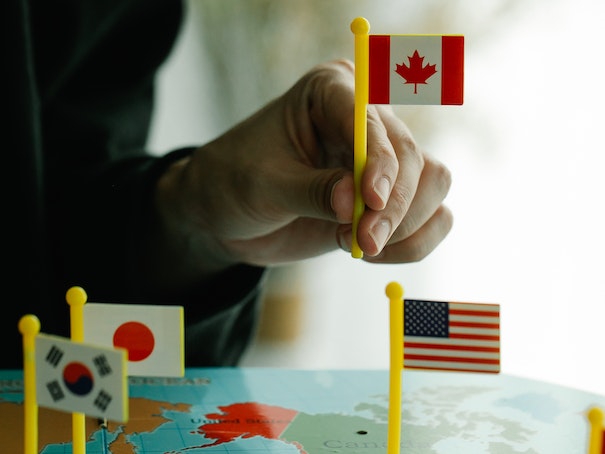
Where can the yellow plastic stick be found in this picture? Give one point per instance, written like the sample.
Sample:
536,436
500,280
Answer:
76,298
361,28
29,326
596,419
394,292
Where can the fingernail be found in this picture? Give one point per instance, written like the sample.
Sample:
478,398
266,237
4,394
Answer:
345,239
380,233
383,189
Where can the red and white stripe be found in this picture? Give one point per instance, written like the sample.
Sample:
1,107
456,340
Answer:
445,87
473,344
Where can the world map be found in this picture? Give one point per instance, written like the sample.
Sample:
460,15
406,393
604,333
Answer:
280,411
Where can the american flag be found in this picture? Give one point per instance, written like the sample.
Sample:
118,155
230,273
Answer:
451,336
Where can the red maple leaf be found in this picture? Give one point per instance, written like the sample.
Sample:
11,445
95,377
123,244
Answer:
416,73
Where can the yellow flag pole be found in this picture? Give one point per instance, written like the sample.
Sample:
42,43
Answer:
596,418
394,292
29,326
361,29
76,298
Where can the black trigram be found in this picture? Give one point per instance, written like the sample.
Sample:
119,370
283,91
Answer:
54,388
102,365
54,356
102,401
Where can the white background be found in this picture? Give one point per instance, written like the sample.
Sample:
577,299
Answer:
526,153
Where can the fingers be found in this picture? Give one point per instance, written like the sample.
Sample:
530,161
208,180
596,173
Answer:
319,114
427,221
391,178
392,154
433,187
404,190
421,243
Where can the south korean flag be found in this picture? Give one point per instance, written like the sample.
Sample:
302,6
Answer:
81,378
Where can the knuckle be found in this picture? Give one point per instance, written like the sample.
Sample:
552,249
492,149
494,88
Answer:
401,199
345,65
420,246
319,193
418,250
441,176
335,71
446,219
413,152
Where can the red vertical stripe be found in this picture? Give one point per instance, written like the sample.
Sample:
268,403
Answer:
379,68
452,78
603,444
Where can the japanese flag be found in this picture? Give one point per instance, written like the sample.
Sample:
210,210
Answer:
416,69
81,378
153,335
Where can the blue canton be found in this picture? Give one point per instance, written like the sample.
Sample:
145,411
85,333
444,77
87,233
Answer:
426,318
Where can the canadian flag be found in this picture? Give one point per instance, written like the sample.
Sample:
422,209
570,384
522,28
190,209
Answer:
153,335
416,69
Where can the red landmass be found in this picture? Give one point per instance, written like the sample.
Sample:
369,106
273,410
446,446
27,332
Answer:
246,420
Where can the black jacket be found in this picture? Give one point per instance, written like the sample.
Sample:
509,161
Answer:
78,185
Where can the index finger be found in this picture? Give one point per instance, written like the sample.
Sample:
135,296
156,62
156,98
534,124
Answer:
390,180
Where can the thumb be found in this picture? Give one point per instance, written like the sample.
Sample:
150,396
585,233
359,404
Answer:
326,194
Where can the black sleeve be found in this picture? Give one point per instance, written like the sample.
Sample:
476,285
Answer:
220,316
81,85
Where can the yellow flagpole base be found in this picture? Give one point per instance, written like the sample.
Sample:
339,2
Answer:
361,29
394,292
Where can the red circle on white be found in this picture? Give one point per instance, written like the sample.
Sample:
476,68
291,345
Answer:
137,338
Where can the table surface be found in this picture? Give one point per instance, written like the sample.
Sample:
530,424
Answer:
309,411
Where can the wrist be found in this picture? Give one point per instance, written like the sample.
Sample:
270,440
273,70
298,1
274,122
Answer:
184,254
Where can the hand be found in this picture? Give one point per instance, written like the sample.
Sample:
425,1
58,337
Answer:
278,187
